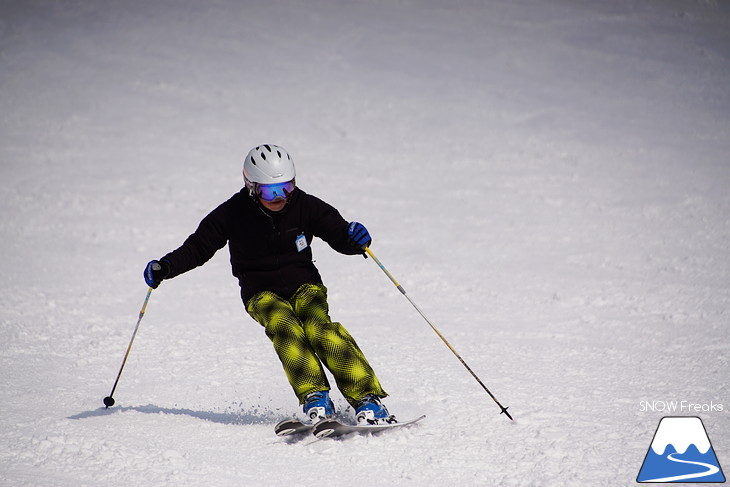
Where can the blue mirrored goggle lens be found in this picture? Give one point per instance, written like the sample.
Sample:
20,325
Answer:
271,192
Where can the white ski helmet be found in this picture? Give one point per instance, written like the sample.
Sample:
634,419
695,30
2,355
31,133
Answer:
267,164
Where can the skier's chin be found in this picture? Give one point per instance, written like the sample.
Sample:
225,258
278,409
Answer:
274,206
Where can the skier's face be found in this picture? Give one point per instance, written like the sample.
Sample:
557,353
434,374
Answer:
274,196
276,205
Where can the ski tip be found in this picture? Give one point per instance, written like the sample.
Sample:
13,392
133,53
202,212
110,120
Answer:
325,428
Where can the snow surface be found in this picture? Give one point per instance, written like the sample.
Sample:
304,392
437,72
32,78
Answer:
547,180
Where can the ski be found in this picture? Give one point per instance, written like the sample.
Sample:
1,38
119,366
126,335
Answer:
331,428
292,427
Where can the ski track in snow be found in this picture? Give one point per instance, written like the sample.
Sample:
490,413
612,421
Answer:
547,180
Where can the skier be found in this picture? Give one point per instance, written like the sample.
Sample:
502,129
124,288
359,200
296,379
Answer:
269,226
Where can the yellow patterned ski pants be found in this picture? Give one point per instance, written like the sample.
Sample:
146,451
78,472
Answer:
305,337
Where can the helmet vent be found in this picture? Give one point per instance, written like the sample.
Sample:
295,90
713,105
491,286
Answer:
267,147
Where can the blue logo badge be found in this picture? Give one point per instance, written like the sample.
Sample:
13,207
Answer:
681,452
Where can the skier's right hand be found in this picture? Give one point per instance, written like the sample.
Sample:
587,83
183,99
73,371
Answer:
156,271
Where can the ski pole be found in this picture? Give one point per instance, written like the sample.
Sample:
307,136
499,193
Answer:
109,400
403,291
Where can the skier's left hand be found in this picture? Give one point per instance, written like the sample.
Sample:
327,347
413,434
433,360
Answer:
358,236
156,271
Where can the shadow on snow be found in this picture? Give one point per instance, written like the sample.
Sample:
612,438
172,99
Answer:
255,417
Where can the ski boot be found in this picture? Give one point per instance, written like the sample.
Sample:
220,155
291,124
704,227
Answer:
318,406
369,410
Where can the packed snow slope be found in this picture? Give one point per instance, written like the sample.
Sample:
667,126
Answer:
547,180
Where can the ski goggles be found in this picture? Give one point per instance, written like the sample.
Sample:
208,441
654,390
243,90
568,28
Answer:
272,192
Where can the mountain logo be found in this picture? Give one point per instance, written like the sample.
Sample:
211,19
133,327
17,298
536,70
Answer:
681,452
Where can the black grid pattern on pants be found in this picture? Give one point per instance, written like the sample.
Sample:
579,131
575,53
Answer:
305,337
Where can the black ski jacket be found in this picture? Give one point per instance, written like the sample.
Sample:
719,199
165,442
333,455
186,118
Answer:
266,248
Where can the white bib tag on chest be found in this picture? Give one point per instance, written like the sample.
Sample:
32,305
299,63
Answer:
301,242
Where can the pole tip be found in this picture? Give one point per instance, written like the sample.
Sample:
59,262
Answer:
504,410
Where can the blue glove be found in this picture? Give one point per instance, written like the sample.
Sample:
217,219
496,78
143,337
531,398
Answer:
358,236
156,271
